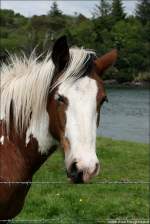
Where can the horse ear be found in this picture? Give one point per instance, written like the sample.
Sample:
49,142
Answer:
60,53
105,61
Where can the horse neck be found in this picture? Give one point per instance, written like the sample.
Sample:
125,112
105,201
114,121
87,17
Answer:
34,158
28,155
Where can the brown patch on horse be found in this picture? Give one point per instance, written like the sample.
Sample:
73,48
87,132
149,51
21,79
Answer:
57,110
58,123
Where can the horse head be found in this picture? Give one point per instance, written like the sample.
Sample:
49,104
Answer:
74,109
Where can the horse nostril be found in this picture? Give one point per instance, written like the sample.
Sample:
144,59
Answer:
75,175
73,169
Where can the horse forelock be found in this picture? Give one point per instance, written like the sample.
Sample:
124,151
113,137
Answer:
26,84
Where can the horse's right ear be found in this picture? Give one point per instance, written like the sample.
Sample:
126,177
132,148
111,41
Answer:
60,53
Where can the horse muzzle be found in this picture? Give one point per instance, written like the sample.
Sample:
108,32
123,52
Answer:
79,176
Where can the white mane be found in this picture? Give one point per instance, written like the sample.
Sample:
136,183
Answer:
26,83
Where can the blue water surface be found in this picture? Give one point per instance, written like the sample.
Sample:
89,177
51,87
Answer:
126,116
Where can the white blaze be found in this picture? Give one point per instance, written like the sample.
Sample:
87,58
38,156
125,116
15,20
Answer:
81,123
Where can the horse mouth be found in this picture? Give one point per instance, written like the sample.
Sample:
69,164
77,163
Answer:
74,175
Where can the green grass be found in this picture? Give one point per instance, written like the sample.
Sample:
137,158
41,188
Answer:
68,203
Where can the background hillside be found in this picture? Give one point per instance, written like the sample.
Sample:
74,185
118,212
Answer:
109,28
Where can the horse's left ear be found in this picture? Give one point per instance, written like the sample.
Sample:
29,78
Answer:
60,53
105,61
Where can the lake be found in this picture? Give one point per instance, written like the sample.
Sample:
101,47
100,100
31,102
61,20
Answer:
126,115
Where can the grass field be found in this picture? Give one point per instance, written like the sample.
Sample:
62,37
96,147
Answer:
92,203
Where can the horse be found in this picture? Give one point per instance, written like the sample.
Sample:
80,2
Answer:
56,99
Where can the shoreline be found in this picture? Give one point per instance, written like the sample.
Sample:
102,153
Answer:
134,84
120,140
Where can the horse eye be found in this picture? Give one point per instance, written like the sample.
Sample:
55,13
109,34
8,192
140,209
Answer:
59,98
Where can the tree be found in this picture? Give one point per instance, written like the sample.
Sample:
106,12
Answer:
143,11
55,11
57,23
102,33
118,10
103,9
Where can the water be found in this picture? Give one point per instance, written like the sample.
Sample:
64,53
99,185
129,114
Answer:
126,116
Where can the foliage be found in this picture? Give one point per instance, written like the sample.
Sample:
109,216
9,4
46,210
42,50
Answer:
68,203
143,76
117,10
143,11
102,9
109,28
54,11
